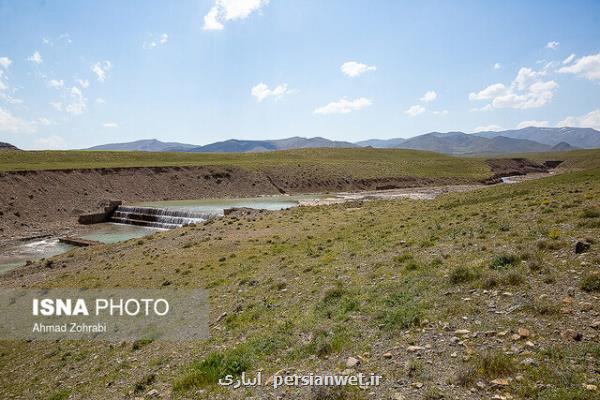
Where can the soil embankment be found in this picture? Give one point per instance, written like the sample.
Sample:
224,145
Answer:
503,167
32,202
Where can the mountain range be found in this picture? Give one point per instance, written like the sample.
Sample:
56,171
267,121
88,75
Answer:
531,139
7,146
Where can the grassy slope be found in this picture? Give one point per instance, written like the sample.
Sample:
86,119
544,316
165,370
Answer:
306,288
360,163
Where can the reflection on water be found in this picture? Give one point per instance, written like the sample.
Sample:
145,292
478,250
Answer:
217,206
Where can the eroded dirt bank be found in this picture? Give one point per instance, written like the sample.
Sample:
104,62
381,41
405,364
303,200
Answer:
35,202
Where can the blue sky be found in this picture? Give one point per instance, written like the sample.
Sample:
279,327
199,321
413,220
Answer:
77,74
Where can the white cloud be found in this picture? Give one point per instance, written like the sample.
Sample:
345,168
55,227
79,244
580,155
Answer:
110,125
589,120
486,128
442,112
588,67
415,110
101,69
10,123
84,83
154,43
43,121
569,59
497,66
3,86
56,84
552,45
57,105
262,91
5,62
489,92
429,96
78,102
527,90
36,58
51,143
526,124
344,106
211,20
354,69
230,10
100,100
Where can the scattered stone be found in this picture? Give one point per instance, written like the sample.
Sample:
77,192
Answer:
462,332
387,355
585,306
221,317
595,324
500,382
418,385
413,349
454,355
530,344
397,396
515,336
572,334
581,247
590,387
524,333
152,393
352,362
528,361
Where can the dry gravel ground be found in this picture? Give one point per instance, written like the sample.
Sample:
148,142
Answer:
473,295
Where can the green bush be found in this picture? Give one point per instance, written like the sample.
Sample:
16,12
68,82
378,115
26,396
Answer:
462,274
591,282
503,261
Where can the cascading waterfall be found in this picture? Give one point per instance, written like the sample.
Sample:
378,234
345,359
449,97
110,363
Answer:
157,217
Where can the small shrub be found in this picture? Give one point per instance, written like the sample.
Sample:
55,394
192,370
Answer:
553,234
494,364
215,366
401,312
590,213
462,274
60,395
503,261
591,282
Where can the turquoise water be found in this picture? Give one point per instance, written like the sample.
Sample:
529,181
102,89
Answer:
217,206
17,254
114,233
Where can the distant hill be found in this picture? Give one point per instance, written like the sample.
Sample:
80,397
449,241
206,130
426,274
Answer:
7,146
564,146
586,138
239,146
143,145
382,143
462,143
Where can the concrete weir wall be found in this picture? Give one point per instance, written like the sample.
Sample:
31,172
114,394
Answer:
104,216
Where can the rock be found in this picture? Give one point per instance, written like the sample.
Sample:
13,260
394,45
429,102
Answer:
500,382
413,349
515,336
418,385
397,396
152,393
454,355
221,317
581,247
387,355
462,332
571,334
528,361
352,362
590,387
595,324
530,344
524,333
585,306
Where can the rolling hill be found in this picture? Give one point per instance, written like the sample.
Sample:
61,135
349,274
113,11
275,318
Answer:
143,145
586,138
7,146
